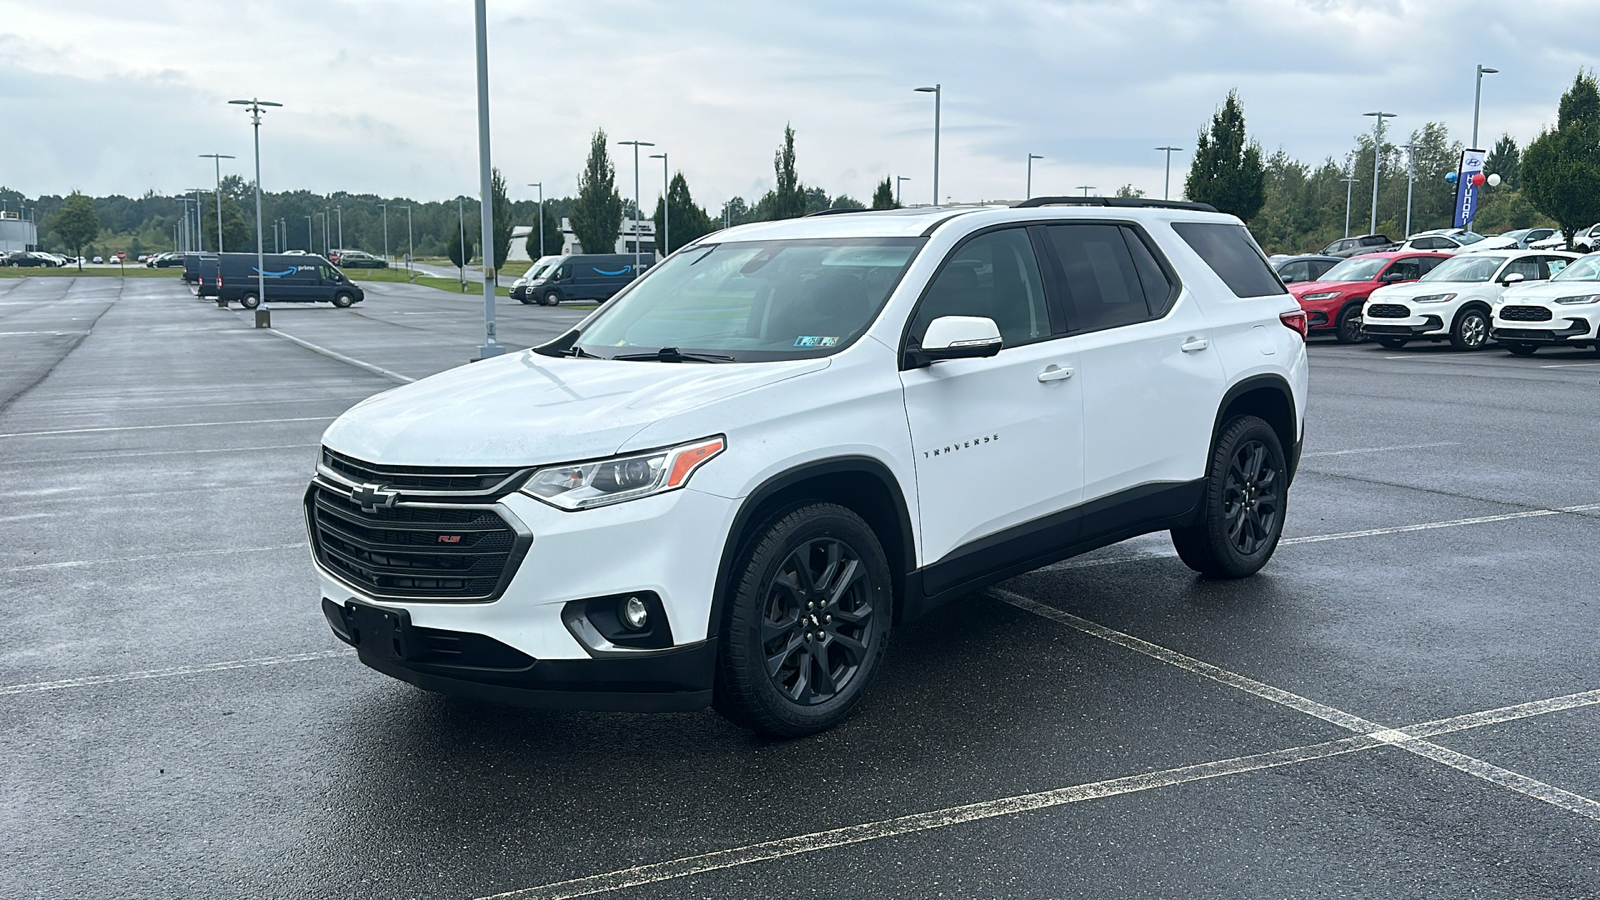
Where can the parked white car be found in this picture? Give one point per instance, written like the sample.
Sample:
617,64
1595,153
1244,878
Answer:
1585,241
1519,239
733,480
1563,312
1455,301
1441,240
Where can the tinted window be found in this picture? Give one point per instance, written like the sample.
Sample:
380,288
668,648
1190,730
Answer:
1404,270
1159,290
1431,243
1102,282
1232,254
1428,263
996,276
1292,272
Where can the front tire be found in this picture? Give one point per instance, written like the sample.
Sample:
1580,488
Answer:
1347,328
250,301
343,300
1245,500
807,622
551,298
1471,330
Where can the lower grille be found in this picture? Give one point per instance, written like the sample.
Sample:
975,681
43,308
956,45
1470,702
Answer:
1525,314
1387,311
409,552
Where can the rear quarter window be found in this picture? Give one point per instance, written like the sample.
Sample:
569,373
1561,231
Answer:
1232,254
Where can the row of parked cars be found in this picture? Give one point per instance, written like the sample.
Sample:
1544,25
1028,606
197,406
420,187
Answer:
37,259
1450,240
1523,298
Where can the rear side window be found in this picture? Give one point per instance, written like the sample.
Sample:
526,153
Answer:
1232,254
1102,281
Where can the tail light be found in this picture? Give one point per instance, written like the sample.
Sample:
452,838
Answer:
1296,322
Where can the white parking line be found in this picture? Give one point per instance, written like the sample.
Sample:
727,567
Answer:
1400,737
59,459
683,867
174,425
1381,449
42,686
178,554
350,360
1095,562
1569,365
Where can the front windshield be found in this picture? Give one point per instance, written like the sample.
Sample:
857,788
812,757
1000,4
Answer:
537,271
1586,269
1467,237
1354,269
753,300
1466,268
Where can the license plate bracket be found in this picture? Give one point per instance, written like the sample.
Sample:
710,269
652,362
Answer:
384,633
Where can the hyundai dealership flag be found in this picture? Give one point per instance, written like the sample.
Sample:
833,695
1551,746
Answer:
1466,190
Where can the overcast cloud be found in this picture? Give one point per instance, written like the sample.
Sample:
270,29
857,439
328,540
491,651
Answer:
379,96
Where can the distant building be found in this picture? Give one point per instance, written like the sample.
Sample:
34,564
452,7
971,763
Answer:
568,242
17,233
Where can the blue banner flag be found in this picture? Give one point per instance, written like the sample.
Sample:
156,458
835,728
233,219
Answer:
1466,191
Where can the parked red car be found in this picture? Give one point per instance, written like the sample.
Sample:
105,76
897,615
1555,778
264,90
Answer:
1333,304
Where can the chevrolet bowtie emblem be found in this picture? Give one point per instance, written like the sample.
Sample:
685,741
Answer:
373,497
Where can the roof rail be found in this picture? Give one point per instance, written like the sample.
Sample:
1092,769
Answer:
1115,201
835,212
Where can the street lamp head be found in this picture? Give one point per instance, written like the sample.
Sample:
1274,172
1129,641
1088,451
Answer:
1034,156
1171,149
636,143
658,156
1485,70
927,90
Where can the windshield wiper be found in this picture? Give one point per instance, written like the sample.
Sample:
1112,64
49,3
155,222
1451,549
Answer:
673,354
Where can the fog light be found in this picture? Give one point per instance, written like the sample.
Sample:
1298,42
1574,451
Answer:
635,615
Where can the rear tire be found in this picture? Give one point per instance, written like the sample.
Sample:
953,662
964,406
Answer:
250,301
807,622
1471,330
1521,349
343,300
1391,343
1246,497
1347,328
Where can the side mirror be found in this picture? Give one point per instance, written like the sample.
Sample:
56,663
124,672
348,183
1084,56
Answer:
1513,278
957,337
1391,276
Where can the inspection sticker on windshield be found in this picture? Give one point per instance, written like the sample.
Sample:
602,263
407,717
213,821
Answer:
811,340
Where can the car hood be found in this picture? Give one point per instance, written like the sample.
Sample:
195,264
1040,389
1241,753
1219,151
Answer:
1546,291
525,408
1408,289
1317,287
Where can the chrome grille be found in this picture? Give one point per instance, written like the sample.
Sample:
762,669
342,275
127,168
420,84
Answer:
1525,314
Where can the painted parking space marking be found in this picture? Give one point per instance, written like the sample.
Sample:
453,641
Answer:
1397,737
38,687
348,360
58,431
188,452
1382,449
177,554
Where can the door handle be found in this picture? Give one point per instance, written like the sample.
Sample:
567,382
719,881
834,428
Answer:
1054,373
1194,345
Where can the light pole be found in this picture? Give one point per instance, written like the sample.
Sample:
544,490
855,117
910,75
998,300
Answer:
1166,186
263,314
664,246
1028,191
540,186
384,208
218,158
1086,188
199,221
1377,161
1477,102
897,180
308,233
1411,176
338,212
409,246
461,224
938,99
327,223
485,186
636,145
1349,187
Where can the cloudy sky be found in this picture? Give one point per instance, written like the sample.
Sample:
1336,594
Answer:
379,95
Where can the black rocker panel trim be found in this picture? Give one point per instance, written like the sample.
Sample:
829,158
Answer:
1052,538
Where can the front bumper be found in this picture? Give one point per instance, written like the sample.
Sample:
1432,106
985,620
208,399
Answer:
1557,331
479,667
1429,325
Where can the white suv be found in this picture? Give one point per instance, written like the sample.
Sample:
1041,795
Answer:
729,483
1454,301
1563,312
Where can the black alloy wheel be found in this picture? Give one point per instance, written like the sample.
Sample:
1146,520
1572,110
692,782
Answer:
1347,329
806,624
1246,498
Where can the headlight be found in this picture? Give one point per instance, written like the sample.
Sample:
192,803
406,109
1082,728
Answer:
591,484
1584,298
1324,295
1433,298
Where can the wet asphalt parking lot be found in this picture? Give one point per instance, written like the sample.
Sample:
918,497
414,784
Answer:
1404,703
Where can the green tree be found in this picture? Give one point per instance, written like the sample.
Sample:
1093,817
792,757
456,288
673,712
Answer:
500,210
788,199
688,222
845,201
237,234
1503,160
1129,190
459,255
883,196
1560,169
76,225
552,234
597,213
1227,171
